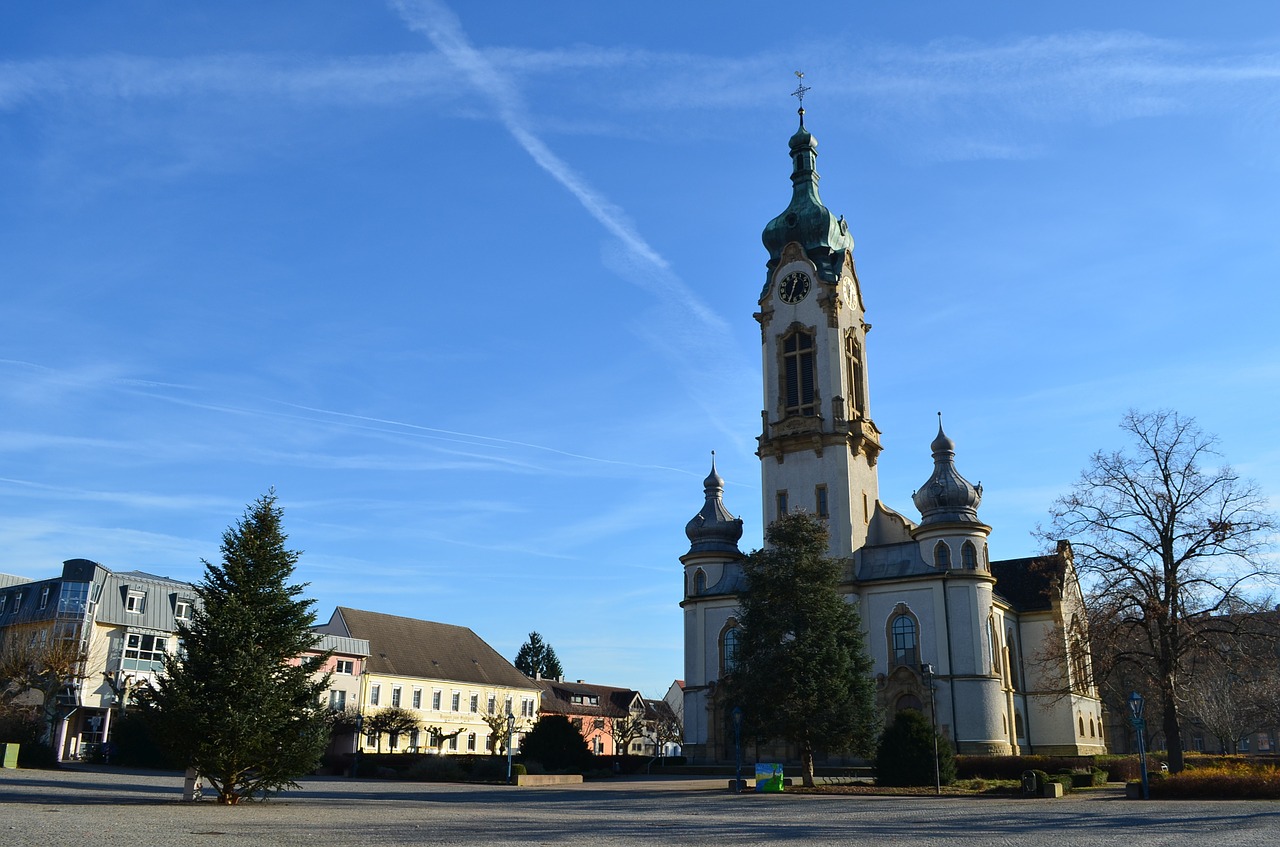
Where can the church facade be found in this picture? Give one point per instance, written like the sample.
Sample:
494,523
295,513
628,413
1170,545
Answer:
996,649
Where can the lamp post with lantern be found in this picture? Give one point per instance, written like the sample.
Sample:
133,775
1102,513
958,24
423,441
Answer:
1136,703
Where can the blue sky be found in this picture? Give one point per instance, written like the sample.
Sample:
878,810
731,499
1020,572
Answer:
471,285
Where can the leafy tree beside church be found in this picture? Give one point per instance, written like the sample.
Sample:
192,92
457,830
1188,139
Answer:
802,673
236,703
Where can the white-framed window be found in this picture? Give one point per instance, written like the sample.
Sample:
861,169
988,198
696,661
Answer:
475,704
395,696
417,698
182,610
346,667
375,691
508,705
456,702
135,601
471,742
493,704
17,601
453,743
435,700
44,596
143,652
526,708
337,700
3,598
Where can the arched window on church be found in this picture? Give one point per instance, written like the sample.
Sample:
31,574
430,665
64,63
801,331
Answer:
699,581
906,646
969,556
1081,719
994,639
941,556
1019,730
1011,646
856,376
729,650
799,377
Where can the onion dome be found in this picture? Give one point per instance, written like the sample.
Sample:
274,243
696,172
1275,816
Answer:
714,530
947,497
824,237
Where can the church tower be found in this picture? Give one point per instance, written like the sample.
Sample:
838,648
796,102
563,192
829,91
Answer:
818,446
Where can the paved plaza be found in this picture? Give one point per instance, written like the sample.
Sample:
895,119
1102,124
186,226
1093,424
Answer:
115,808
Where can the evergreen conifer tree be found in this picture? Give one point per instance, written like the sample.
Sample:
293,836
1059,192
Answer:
802,673
240,702
538,657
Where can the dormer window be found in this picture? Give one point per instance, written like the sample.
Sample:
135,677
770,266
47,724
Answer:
182,610
135,601
44,595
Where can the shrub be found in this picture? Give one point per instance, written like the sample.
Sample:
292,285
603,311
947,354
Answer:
434,769
905,753
1230,782
494,769
555,743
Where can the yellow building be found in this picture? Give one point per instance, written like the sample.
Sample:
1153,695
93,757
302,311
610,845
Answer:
445,675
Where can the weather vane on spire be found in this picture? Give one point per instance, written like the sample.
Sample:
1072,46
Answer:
799,93
801,89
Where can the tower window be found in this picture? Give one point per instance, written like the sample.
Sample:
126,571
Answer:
782,503
906,649
820,501
941,556
969,556
699,581
799,393
856,376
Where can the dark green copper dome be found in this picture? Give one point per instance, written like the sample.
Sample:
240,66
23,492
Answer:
824,237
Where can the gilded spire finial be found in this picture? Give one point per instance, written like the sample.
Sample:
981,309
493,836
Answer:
801,90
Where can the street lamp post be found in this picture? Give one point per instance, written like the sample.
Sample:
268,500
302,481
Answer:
1139,725
927,672
511,728
737,746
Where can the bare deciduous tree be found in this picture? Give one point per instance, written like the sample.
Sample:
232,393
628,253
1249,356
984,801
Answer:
1168,545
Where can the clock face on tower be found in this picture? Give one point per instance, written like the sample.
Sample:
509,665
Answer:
794,288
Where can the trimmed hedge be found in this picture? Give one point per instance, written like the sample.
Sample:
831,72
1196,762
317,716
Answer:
1226,782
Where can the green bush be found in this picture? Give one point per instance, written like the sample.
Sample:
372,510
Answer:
434,769
557,745
493,769
905,753
24,727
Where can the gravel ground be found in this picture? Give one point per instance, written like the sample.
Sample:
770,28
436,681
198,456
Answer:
110,807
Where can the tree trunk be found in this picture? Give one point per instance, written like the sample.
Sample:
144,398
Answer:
806,765
1172,732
